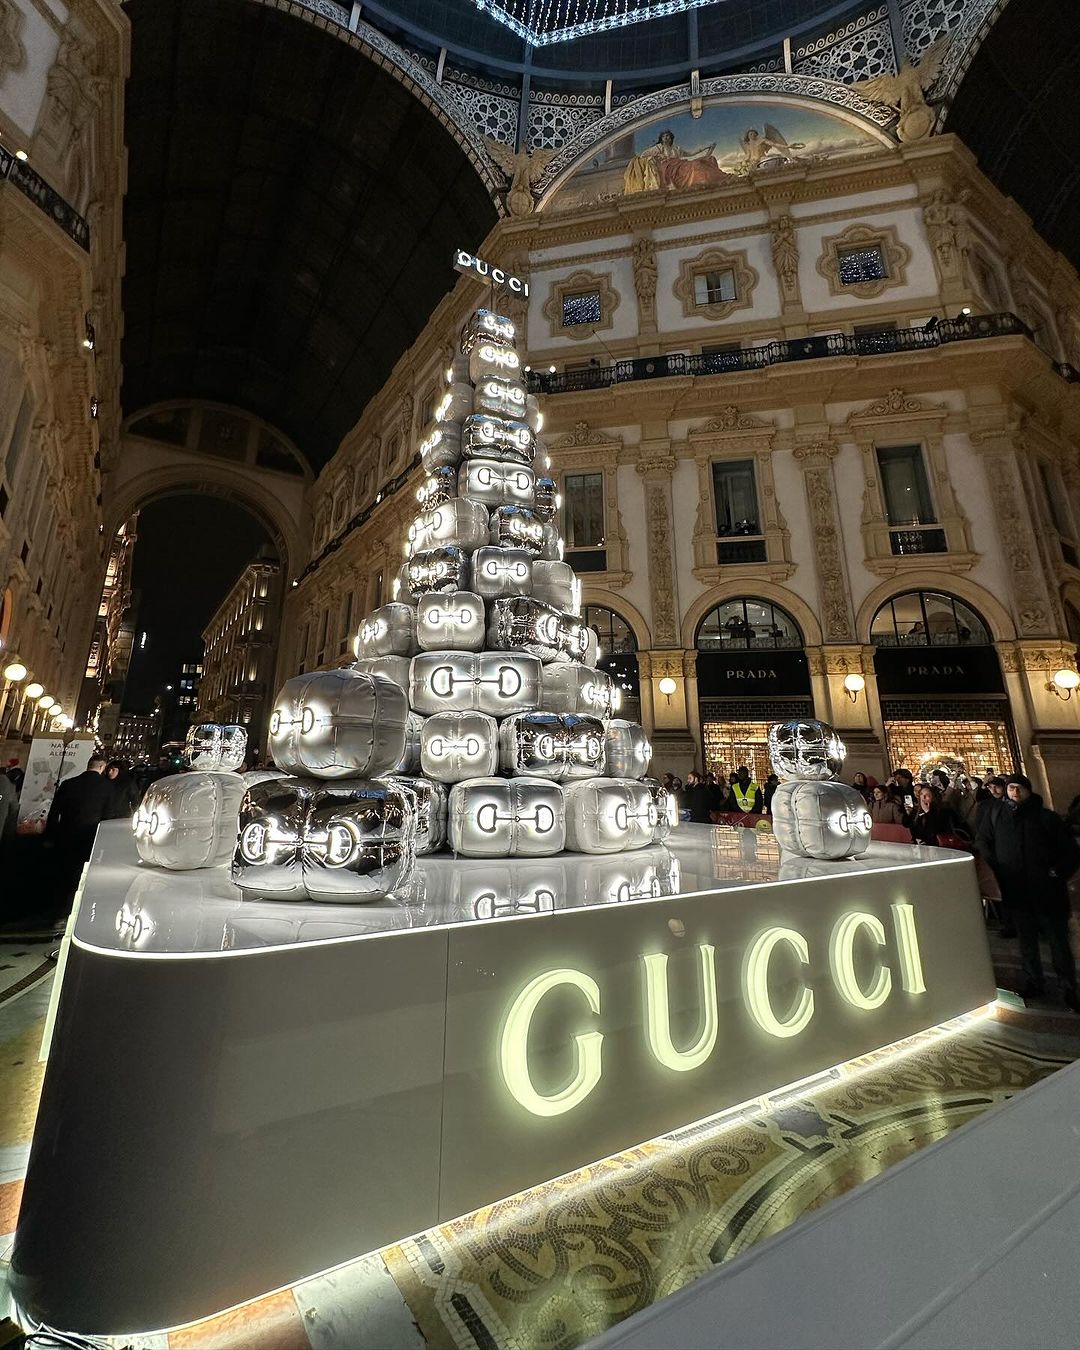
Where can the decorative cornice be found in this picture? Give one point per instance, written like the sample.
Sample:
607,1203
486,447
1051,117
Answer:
896,404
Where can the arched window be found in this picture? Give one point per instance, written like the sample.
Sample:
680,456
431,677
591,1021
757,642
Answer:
747,625
618,655
928,619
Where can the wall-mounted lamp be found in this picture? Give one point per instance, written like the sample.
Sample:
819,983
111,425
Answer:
667,687
89,336
45,702
1063,683
15,672
854,684
34,691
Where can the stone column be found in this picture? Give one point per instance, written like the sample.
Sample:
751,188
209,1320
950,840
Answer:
837,622
1047,725
656,469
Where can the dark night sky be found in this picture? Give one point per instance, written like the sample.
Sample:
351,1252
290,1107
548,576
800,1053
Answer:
188,553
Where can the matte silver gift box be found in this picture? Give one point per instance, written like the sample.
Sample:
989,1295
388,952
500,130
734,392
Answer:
556,584
338,724
572,688
496,482
451,621
459,745
502,818
523,623
485,436
389,630
497,394
484,325
441,445
545,745
607,815
439,486
394,668
212,747
545,497
439,569
430,807
517,527
820,819
188,820
500,572
496,683
628,750
488,357
458,523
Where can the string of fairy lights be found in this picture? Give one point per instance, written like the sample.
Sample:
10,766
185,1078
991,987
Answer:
542,22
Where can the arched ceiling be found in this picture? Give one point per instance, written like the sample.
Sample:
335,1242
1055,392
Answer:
1017,109
290,217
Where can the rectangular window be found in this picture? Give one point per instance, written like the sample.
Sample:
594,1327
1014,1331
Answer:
376,590
866,263
1054,490
581,307
346,624
906,487
583,510
738,523
427,407
714,288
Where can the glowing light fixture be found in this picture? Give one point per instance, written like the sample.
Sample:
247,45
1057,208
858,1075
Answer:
21,155
1063,683
854,684
667,687
34,690
15,672
45,702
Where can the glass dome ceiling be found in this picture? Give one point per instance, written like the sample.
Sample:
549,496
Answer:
541,22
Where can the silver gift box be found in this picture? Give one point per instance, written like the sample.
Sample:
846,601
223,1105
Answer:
545,745
628,750
647,874
270,835
805,749
430,807
525,624
456,402
503,818
517,527
484,325
545,497
450,621
552,548
394,668
458,523
439,569
533,415
489,357
215,748
500,572
667,808
485,436
608,815
496,683
496,482
820,819
358,843
410,758
188,820
338,724
573,688
439,486
389,630
441,445
496,394
459,745
557,585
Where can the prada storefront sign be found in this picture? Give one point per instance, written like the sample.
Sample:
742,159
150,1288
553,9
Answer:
752,674
938,670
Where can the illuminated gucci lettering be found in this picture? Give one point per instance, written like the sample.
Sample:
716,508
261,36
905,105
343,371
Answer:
514,1046
468,262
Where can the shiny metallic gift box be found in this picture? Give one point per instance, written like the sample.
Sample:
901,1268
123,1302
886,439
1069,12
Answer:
188,820
496,394
394,668
499,572
456,402
267,856
496,482
667,809
459,745
439,486
410,758
628,750
517,527
439,569
496,683
358,841
533,415
489,357
451,621
441,445
458,523
211,747
430,807
545,745
551,543
557,585
523,623
389,630
484,325
607,815
615,879
338,724
545,497
502,818
805,749
485,436
820,819
572,688
489,890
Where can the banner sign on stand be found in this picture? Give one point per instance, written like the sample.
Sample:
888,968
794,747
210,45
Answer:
49,763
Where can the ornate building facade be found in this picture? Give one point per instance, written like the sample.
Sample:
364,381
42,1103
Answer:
814,416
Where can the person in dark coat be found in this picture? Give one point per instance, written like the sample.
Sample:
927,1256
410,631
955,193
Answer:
78,808
768,792
990,806
126,793
1033,854
934,819
696,797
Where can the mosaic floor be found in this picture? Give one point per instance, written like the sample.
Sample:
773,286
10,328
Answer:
568,1260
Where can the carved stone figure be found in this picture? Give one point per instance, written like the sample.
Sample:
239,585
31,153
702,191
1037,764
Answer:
785,252
643,257
523,169
12,51
905,91
945,229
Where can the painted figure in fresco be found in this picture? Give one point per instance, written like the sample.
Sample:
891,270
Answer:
758,147
666,165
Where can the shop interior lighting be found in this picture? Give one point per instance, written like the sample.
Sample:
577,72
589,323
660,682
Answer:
15,672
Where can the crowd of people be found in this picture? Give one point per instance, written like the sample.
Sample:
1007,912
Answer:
1025,852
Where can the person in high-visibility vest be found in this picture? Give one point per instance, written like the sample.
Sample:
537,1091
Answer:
744,795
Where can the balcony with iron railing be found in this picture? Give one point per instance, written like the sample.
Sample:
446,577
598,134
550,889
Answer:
915,536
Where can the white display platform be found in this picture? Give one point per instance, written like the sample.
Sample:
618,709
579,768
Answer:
241,1094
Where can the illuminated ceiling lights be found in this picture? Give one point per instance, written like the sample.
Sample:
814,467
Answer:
541,22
